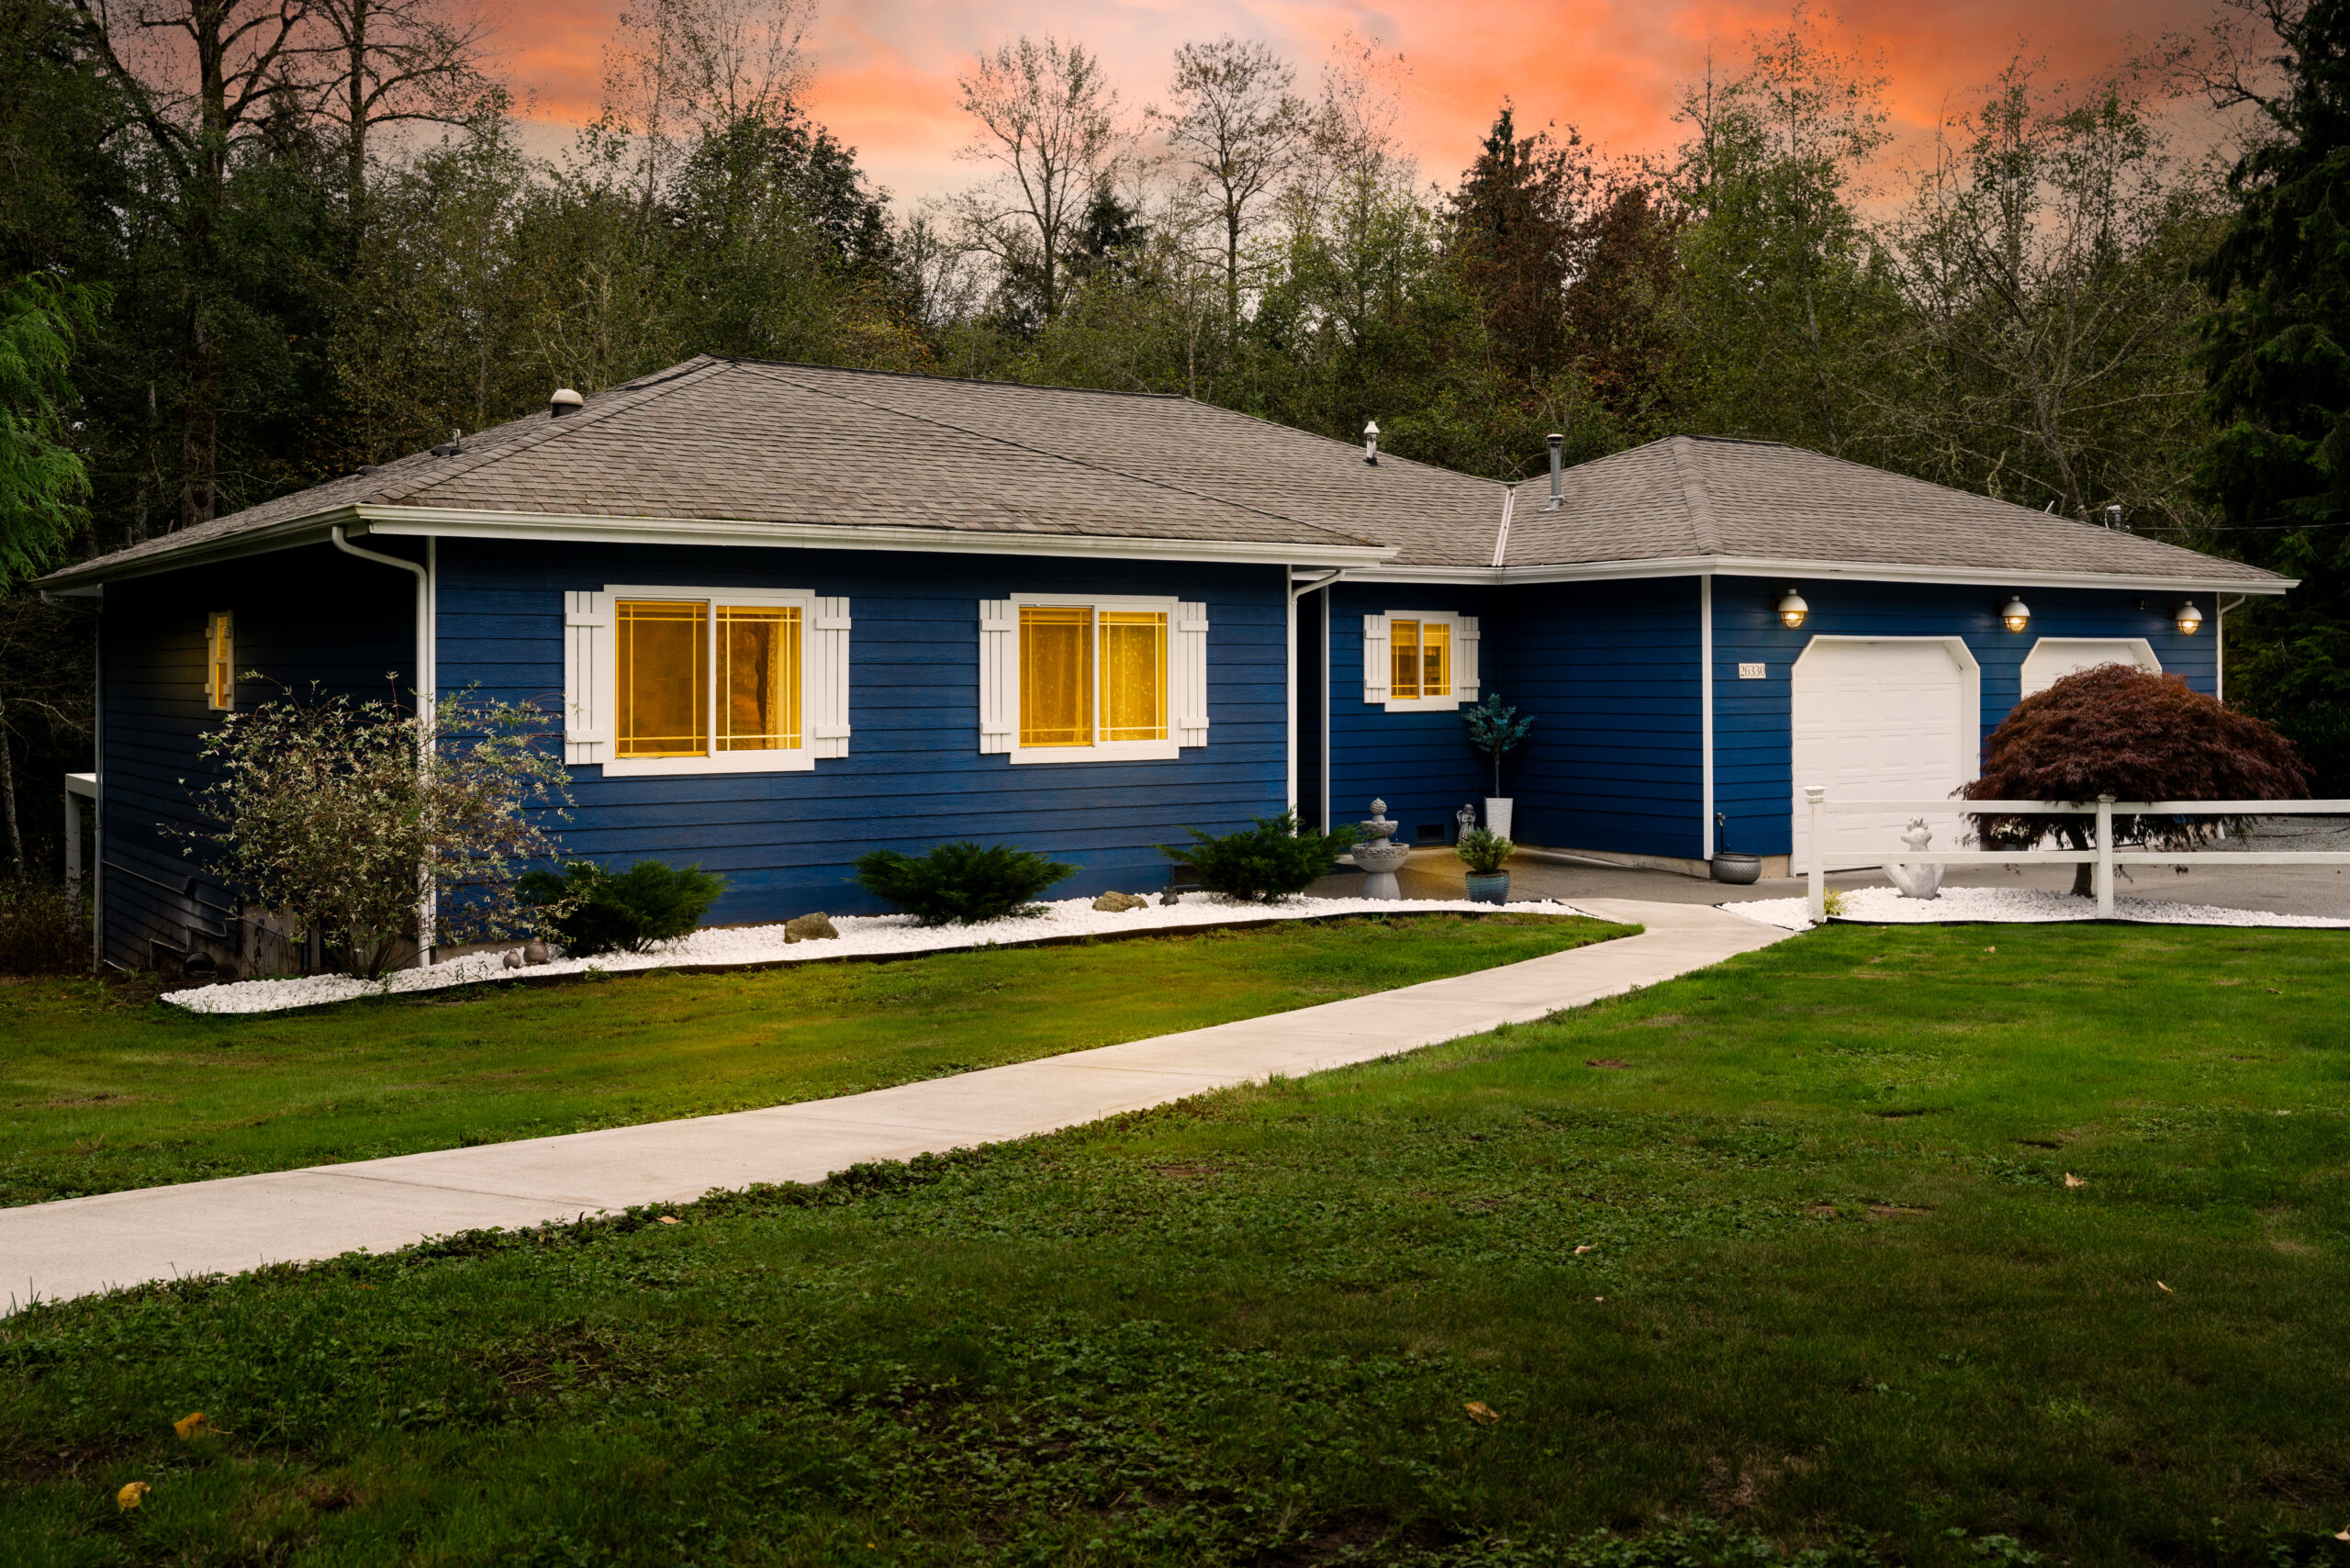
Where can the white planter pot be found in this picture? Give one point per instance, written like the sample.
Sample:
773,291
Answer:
1497,815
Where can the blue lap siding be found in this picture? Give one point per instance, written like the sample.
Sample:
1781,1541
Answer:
302,616
1420,764
914,776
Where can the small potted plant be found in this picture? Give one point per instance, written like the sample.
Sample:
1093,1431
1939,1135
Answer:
1495,730
1482,852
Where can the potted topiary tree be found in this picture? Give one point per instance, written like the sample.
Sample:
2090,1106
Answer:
1497,731
2119,731
1482,852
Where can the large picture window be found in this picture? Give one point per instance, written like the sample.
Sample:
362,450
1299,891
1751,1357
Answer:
690,680
1071,679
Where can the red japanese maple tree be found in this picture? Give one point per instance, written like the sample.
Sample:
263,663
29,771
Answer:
2116,730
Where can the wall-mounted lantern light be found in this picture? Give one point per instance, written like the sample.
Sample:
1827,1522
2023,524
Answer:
2189,620
1792,610
2016,615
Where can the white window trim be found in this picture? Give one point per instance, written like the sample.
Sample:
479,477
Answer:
801,758
1463,662
1168,750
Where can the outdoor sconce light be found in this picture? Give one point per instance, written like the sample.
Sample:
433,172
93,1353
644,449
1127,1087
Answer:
1792,610
1371,442
2016,615
2189,620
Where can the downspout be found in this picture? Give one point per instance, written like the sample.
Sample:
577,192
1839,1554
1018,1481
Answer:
1706,701
427,694
1296,591
2219,645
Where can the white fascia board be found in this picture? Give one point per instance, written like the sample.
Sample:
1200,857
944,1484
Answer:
448,523
315,529
1855,571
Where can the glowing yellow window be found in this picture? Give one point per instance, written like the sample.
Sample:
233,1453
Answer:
758,677
663,650
1056,675
1422,652
1133,676
220,659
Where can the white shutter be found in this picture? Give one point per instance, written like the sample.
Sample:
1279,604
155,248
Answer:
1464,661
998,675
586,678
1187,674
1377,670
827,678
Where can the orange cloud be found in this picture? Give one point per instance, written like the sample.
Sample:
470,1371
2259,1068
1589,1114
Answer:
886,68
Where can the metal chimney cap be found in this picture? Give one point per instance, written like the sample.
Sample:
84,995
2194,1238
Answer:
1556,440
1371,442
563,402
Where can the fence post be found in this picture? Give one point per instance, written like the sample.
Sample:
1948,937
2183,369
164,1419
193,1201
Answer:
1816,794
2105,858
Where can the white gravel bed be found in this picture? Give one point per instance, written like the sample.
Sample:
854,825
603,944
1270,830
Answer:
859,934
1886,906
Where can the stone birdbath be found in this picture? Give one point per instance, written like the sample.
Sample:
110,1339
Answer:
1377,858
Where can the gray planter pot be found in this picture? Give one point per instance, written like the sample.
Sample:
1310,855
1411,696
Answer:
1489,888
1730,866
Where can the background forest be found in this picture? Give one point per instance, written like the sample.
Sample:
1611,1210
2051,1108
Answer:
250,244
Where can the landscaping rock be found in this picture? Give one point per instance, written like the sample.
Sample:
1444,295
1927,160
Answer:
808,928
1118,904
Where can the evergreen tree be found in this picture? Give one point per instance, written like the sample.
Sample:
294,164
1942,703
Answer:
2276,359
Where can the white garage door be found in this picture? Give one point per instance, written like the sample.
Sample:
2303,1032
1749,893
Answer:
2054,658
1882,719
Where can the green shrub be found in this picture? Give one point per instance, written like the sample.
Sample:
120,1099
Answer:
591,909
1276,859
960,882
1483,852
41,932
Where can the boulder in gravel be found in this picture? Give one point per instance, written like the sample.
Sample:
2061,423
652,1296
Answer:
814,927
1118,904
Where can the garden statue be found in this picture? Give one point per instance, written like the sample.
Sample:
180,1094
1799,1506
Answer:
1377,858
1917,882
1464,822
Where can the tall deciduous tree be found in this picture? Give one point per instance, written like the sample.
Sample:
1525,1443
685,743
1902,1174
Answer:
387,62
1047,121
1234,124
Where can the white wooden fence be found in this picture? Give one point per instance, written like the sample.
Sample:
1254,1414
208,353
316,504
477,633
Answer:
2105,856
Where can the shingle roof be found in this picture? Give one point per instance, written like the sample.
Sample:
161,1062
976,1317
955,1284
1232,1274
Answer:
1700,495
756,444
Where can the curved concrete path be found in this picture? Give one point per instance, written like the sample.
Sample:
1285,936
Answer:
80,1246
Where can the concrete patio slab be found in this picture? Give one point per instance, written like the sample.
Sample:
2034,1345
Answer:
81,1246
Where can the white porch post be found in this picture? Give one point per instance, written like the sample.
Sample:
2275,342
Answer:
1706,705
2105,856
1816,795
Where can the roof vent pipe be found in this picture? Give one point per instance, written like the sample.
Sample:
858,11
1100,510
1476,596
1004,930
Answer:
1371,442
563,402
1558,495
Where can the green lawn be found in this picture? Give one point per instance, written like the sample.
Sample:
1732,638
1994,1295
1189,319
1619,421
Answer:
1837,1295
101,1090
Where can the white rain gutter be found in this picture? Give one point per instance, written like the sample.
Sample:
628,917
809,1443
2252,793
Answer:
427,696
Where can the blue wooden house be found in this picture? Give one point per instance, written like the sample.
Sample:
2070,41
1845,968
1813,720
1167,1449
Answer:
793,613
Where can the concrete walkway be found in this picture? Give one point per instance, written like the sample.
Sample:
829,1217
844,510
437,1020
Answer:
50,1251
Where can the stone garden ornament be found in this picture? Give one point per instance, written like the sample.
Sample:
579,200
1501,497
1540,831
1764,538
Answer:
1917,882
1377,858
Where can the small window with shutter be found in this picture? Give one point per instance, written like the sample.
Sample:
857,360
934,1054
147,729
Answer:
1419,660
665,680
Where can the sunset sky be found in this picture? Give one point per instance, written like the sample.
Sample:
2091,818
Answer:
884,68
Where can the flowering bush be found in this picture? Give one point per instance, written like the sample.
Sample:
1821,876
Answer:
355,824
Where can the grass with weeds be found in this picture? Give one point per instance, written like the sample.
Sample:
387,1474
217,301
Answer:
103,1088
1916,1246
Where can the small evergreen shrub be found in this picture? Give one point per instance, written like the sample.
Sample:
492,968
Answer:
961,883
592,909
1482,852
1275,859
